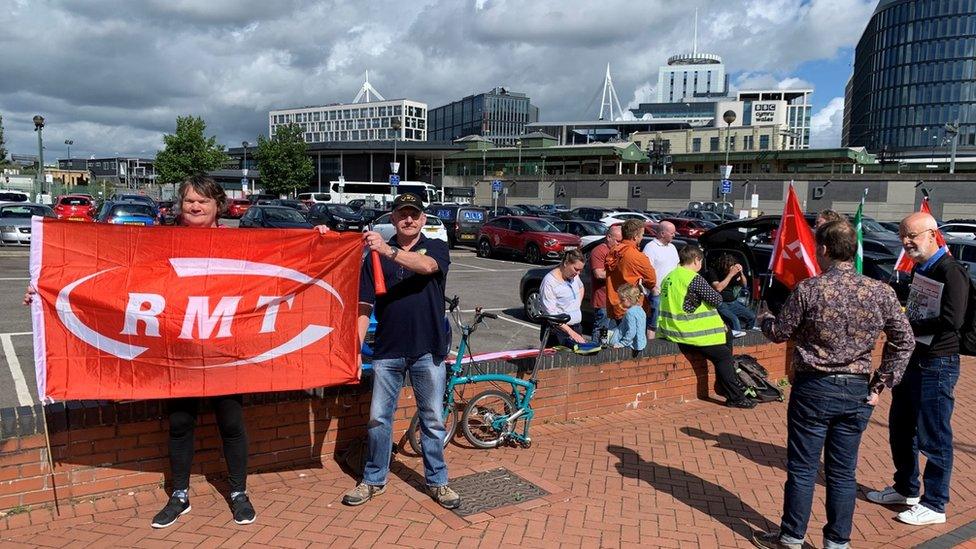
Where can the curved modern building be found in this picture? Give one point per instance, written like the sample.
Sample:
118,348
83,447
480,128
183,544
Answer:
914,74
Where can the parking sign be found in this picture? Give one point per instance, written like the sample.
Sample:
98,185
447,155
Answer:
394,180
496,185
726,186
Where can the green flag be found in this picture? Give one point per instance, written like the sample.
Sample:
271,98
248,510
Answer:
859,229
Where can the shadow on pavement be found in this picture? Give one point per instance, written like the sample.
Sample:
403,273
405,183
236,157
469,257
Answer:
693,491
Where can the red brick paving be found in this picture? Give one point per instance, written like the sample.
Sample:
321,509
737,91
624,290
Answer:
692,474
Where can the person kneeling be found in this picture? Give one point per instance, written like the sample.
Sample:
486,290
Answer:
631,330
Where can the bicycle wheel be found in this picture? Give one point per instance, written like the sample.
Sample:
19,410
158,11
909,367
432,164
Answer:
413,432
479,414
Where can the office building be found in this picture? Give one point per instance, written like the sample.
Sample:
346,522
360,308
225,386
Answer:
914,75
131,172
498,115
761,107
369,117
692,77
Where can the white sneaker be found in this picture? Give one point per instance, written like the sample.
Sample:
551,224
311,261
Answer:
738,333
889,496
920,515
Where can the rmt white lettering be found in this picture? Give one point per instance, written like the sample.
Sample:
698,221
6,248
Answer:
198,312
146,308
271,313
134,313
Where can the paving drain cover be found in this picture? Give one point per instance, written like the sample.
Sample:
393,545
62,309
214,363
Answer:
493,489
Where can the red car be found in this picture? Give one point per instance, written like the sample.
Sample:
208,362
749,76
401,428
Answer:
534,238
237,207
75,207
692,228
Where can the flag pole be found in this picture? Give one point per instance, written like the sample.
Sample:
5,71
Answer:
50,459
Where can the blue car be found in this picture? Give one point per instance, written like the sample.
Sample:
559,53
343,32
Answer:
128,213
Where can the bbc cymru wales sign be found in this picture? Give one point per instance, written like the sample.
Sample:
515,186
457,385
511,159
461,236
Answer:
768,112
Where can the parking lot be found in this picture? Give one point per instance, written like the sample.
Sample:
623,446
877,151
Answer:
488,283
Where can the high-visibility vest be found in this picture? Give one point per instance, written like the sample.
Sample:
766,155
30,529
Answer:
700,328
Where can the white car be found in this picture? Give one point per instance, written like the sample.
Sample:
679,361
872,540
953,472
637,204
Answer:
8,196
959,230
620,217
433,229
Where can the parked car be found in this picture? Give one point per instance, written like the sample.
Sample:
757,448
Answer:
462,222
592,214
964,250
890,225
702,215
370,214
134,197
254,197
237,207
128,212
619,217
506,210
532,210
167,212
339,217
553,209
433,228
274,217
588,231
15,221
75,208
533,238
959,230
692,228
13,197
314,198
288,203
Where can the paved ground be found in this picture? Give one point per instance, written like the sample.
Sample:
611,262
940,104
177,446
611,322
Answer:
488,283
690,475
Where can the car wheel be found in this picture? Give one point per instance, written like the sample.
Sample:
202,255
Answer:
532,254
532,305
484,248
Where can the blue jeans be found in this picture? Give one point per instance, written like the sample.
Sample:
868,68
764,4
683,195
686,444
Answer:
920,420
655,311
429,381
737,315
600,321
826,413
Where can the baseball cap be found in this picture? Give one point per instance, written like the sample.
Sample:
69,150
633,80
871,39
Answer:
408,200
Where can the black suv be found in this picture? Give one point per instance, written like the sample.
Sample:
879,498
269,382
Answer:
461,221
339,217
592,214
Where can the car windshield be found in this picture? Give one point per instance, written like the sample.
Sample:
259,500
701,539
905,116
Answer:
592,229
74,201
23,212
287,215
342,209
540,225
12,197
872,226
433,221
132,209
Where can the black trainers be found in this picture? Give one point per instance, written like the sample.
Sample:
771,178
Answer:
746,403
174,508
242,509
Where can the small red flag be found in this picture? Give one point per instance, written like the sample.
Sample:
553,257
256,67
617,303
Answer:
794,253
905,264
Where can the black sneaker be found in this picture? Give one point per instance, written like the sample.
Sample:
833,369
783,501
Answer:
174,508
746,403
242,509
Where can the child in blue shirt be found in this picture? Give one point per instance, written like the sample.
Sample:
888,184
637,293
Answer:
632,329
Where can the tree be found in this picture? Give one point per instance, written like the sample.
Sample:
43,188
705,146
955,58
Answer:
188,152
282,160
3,144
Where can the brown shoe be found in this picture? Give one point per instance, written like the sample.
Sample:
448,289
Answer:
362,493
447,498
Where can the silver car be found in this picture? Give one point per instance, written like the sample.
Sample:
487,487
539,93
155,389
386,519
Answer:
15,222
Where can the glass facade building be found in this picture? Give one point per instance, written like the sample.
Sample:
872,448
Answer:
914,73
369,121
498,115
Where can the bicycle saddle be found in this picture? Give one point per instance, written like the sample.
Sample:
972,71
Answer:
555,319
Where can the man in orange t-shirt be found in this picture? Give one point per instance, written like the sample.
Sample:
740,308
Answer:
627,264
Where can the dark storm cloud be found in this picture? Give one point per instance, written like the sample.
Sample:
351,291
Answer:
113,76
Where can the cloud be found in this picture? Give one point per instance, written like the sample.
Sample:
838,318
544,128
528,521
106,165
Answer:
826,125
113,75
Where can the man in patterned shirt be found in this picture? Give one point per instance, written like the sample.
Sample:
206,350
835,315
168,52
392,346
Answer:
833,320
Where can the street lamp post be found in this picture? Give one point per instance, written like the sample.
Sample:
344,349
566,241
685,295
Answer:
396,135
39,128
246,182
518,143
68,143
729,118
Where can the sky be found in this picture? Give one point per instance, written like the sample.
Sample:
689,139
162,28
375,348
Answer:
113,75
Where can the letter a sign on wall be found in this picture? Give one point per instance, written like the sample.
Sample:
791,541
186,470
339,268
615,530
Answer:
127,312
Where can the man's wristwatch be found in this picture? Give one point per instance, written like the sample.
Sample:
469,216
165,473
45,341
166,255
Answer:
394,253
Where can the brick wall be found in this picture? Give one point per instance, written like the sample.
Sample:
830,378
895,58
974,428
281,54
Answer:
109,449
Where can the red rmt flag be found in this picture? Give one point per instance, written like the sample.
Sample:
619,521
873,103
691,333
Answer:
906,264
794,254
159,312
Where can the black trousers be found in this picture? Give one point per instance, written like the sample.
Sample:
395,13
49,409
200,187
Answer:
721,357
230,422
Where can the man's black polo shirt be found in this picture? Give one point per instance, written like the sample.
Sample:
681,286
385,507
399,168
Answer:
410,317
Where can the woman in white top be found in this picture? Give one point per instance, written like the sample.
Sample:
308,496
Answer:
561,292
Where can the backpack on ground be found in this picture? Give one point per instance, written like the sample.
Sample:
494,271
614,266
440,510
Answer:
755,380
